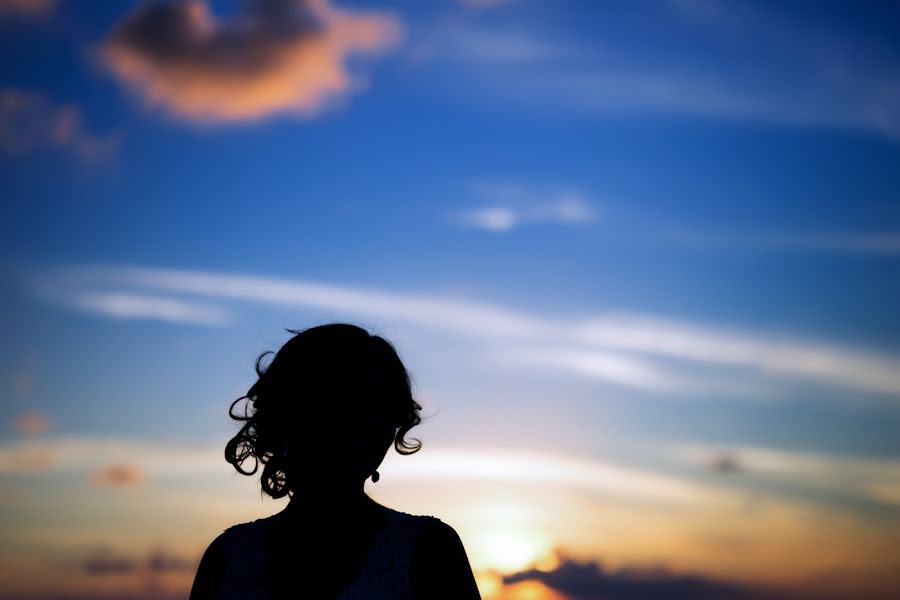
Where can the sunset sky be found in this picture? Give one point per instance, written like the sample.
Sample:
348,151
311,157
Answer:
642,260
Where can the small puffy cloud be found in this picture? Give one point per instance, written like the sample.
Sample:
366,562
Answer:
33,423
29,121
512,206
725,462
276,56
492,218
26,8
118,475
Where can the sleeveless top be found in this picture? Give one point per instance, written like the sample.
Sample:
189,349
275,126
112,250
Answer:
384,574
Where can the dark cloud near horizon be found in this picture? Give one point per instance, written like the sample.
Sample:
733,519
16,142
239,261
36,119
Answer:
590,581
157,562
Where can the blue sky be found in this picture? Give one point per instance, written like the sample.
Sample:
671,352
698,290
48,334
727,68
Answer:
601,230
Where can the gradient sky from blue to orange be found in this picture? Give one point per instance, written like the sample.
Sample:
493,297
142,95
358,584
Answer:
651,235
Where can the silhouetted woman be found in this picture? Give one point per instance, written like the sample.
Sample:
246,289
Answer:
319,421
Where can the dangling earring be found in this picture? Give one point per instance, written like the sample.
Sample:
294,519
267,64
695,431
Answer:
375,477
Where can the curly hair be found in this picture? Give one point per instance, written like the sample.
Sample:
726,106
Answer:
325,377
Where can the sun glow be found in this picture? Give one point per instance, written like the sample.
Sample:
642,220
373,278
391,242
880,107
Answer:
508,551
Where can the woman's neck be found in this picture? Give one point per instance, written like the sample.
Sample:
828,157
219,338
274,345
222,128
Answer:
345,501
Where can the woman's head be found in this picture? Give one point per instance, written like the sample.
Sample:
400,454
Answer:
327,408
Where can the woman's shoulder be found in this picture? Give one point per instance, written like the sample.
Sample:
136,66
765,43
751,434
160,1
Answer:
440,566
234,536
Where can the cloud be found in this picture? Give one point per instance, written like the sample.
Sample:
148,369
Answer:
276,56
873,478
28,121
746,66
483,4
829,242
161,561
105,562
93,455
528,466
137,461
513,206
28,458
119,305
33,423
26,8
590,580
775,355
118,475
726,462
626,342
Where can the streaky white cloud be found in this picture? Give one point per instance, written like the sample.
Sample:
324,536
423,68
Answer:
624,369
770,354
632,336
92,456
870,477
124,305
72,453
528,466
457,316
631,371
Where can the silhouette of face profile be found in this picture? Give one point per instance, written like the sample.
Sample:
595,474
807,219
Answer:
325,411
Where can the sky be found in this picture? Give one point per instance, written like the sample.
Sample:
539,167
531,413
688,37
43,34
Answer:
642,261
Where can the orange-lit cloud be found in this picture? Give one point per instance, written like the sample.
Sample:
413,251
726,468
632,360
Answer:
275,57
26,8
118,475
33,423
29,121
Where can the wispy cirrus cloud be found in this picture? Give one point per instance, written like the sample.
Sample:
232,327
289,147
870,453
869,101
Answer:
483,4
29,121
628,341
284,57
884,243
27,8
749,65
